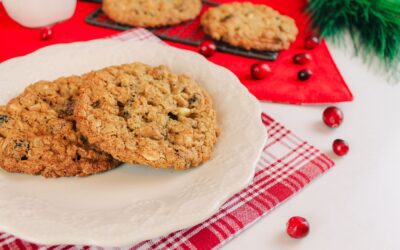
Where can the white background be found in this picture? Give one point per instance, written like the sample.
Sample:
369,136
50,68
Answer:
356,204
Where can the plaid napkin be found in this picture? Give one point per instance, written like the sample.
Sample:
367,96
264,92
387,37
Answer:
286,165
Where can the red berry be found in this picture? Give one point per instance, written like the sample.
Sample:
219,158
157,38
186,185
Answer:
311,42
207,48
260,70
46,33
332,117
304,74
340,147
297,227
301,58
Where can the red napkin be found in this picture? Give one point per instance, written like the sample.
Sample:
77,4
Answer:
326,85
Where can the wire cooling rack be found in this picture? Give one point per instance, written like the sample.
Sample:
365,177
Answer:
93,1
188,33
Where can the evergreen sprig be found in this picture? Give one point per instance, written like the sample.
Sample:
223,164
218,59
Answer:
374,25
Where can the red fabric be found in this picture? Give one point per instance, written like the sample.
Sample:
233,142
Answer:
326,85
286,165
18,41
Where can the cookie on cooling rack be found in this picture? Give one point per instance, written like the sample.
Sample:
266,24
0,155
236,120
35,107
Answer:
151,13
250,26
38,135
148,115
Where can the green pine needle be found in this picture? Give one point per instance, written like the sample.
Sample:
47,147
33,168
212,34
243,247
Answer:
374,25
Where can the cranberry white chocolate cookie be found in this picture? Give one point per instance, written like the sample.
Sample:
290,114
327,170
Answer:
38,134
250,26
148,115
151,13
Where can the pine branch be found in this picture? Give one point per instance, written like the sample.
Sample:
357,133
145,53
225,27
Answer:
374,25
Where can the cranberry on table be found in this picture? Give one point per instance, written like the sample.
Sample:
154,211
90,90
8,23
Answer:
297,227
311,42
46,33
301,58
340,147
304,74
260,70
207,48
332,117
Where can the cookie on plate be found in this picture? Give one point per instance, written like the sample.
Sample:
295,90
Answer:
148,115
250,26
38,134
151,13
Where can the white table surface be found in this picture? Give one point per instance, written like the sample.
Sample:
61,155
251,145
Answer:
356,204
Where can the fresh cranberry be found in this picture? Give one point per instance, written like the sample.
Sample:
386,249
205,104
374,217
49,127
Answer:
340,147
304,74
46,33
301,58
207,48
297,227
332,117
260,70
311,42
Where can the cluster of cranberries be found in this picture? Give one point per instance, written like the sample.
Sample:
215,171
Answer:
261,70
298,227
303,58
333,117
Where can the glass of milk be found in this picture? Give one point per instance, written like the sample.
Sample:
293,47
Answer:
39,13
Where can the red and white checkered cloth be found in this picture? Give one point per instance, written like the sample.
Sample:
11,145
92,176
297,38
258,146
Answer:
137,35
286,165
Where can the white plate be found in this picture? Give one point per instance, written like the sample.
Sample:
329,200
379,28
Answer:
131,203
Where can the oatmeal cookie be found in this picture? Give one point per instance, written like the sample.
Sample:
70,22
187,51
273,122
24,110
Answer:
148,115
250,26
151,13
38,134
